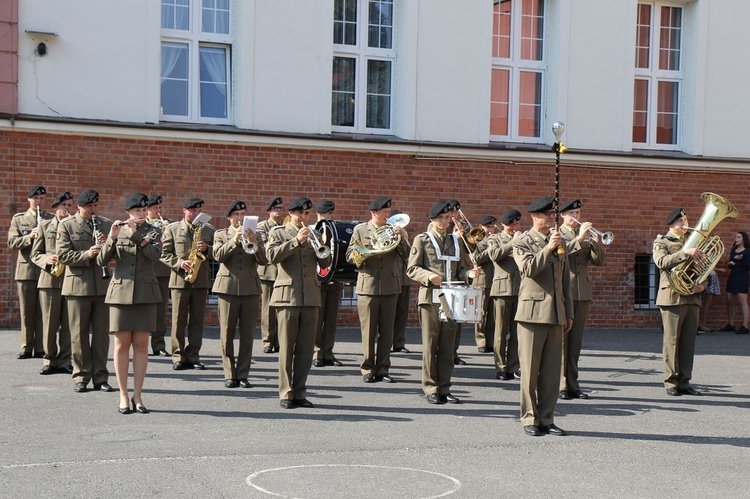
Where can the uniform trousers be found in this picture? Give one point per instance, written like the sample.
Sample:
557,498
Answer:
437,351
188,308
268,324
540,350
506,334
377,317
296,345
680,329
32,329
402,317
55,317
325,337
456,339
234,310
571,347
484,332
89,315
157,337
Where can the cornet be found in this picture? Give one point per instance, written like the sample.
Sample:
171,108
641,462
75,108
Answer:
605,237
247,244
321,251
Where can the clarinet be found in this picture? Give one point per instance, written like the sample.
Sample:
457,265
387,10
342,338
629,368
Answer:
105,274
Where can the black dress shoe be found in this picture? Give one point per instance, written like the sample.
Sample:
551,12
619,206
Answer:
24,355
180,366
552,429
401,350
531,430
67,369
286,404
742,330
517,374
674,392
38,355
80,387
434,398
450,399
139,408
48,370
333,362
267,350
385,377
482,349
197,365
504,376
564,395
162,353
727,328
245,383
689,391
368,378
103,387
317,363
304,403
231,383
577,394
458,361
125,410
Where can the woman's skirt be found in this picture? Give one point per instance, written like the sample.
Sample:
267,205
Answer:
139,317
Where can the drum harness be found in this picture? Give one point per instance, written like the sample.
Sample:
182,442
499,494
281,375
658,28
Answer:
448,274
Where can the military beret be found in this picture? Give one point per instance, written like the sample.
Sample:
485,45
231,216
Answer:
510,216
300,204
487,220
274,203
325,206
674,215
380,203
236,206
193,203
88,196
454,204
136,200
154,200
571,205
37,190
439,208
542,204
60,198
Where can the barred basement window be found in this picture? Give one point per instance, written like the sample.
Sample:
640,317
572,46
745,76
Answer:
646,281
349,296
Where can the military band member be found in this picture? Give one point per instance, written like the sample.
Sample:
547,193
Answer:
188,298
132,296
237,287
378,288
267,273
79,240
457,227
504,292
54,312
545,313
330,299
24,229
484,332
436,257
158,344
296,297
679,314
582,251
403,300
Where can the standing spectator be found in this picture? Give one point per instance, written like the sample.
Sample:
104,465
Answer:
713,288
738,282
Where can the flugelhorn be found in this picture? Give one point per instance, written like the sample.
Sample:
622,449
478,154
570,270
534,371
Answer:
597,235
321,250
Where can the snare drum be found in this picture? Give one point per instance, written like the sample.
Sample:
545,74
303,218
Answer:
466,303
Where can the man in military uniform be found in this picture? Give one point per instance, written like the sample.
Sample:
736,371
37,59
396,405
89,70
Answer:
504,292
296,297
54,313
238,289
484,332
267,273
456,227
582,251
378,288
404,298
330,298
24,230
436,257
679,314
545,313
79,240
188,298
154,218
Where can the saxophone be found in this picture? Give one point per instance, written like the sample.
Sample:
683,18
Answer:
195,257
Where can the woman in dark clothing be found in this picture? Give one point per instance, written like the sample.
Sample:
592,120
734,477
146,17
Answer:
738,282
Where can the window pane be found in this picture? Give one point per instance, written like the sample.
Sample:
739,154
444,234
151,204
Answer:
343,98
501,26
530,104
215,16
174,79
214,86
345,22
643,37
378,94
499,102
532,30
666,112
640,112
669,38
175,14
380,24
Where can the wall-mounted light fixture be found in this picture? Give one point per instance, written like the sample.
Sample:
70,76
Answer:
41,47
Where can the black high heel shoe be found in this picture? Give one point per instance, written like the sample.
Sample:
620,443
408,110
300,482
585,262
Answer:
124,410
140,409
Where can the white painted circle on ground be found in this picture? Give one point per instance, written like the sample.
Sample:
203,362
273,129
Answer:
352,480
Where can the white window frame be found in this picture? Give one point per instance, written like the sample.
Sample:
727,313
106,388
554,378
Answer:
362,53
515,66
653,75
195,38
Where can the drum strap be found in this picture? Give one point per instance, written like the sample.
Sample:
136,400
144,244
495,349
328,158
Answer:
446,258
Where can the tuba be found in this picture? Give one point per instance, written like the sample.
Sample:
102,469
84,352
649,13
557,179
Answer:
195,257
384,240
683,277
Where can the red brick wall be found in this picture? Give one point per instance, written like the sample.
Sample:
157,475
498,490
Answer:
631,202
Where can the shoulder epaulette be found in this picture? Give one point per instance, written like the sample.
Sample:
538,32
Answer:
19,214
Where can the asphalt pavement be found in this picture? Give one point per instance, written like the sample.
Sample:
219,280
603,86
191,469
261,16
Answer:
383,440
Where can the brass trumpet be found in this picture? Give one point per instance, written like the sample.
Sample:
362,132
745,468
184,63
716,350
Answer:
605,237
321,250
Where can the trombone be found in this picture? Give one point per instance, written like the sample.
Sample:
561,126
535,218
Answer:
605,237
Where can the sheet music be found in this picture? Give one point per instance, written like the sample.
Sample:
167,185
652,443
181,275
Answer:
201,219
250,222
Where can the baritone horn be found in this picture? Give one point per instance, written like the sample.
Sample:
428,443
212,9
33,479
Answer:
606,238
